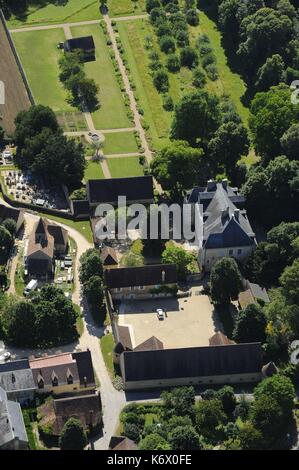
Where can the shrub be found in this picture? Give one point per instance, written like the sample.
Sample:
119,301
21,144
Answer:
205,49
161,81
182,38
172,8
202,39
168,103
192,17
164,29
189,57
131,431
212,72
208,60
157,14
167,44
173,63
199,78
151,4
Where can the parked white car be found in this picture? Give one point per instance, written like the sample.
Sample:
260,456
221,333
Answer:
7,154
5,357
160,314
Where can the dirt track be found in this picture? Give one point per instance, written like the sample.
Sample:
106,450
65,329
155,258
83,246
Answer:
16,98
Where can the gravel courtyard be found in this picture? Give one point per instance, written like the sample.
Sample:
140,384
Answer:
190,321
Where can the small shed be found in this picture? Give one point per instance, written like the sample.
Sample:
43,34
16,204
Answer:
85,44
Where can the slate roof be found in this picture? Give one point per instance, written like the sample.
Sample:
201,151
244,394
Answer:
10,213
38,266
80,208
122,443
124,341
11,421
85,367
259,292
225,229
16,376
86,43
109,256
59,234
150,344
149,275
135,188
192,362
53,235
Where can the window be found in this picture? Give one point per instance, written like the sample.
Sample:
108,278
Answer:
231,252
132,287
118,289
55,382
239,251
141,287
40,383
70,379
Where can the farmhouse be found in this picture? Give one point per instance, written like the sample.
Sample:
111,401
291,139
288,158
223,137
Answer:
45,242
13,434
142,282
225,229
85,44
63,373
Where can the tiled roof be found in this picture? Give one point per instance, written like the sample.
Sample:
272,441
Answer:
149,275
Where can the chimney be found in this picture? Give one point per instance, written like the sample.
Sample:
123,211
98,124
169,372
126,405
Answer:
163,276
224,183
211,185
237,213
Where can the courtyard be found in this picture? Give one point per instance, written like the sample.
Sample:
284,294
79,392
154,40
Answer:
190,321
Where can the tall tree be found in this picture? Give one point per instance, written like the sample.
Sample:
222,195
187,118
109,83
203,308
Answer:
226,281
73,436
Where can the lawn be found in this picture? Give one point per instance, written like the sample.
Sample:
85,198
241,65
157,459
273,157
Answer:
132,34
112,113
107,345
82,227
120,142
39,55
126,7
45,12
93,171
125,166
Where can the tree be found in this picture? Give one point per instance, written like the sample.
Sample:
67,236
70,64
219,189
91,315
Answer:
73,436
229,143
290,142
192,17
154,442
90,265
271,73
93,289
10,225
281,389
227,397
161,81
250,326
176,167
189,57
226,281
20,328
199,78
6,244
167,44
271,115
263,34
180,257
289,282
184,438
267,416
150,4
132,431
196,118
208,415
250,437
178,402
173,63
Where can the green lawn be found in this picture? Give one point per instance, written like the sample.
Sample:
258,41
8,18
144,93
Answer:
120,142
126,7
44,12
39,55
107,345
132,34
82,227
123,167
112,113
93,171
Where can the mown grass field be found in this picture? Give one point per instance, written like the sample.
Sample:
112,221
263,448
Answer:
43,12
126,7
120,142
93,171
39,55
112,112
125,166
107,345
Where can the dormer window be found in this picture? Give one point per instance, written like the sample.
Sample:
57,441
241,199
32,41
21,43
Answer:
54,379
69,377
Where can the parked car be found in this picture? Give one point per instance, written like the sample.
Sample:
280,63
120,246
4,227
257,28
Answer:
5,356
160,314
